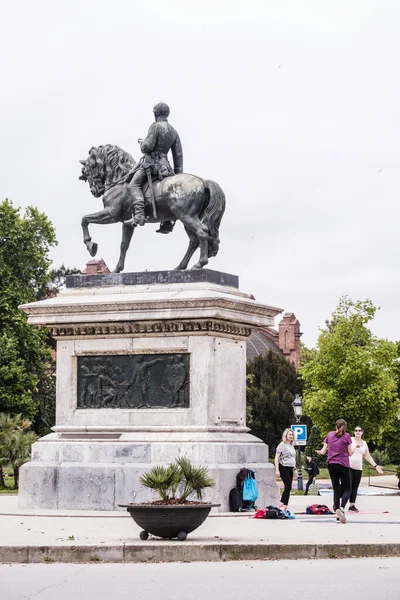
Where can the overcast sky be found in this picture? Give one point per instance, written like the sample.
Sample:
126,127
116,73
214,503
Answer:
292,106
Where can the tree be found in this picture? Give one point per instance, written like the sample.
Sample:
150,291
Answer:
391,439
271,385
56,282
15,442
307,354
25,242
353,375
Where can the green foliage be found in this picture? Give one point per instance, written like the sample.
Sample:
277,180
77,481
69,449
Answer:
15,442
56,281
307,354
314,442
271,385
177,481
194,479
353,375
392,442
381,458
24,274
391,438
163,480
45,416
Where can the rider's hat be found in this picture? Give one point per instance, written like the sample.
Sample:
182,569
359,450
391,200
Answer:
161,110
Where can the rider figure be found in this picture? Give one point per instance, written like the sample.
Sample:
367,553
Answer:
161,138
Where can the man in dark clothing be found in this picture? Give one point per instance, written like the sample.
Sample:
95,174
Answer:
312,470
161,138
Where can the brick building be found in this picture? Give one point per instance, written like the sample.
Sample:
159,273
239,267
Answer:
285,341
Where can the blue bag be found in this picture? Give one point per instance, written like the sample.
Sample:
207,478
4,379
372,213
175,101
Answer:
250,491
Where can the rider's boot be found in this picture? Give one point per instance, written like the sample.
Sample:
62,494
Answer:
138,208
166,227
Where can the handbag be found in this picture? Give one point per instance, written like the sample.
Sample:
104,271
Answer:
313,490
250,491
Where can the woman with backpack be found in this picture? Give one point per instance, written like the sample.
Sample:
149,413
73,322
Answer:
312,470
285,462
339,446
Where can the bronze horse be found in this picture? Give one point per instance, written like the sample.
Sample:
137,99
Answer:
199,204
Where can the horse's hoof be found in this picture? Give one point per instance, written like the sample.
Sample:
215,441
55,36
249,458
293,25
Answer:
117,269
197,266
179,268
92,248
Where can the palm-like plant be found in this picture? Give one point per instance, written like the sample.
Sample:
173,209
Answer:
15,442
163,480
194,479
177,481
9,423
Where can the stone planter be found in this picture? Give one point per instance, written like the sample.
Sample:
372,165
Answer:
168,521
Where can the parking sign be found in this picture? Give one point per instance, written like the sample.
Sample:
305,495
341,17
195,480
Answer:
300,434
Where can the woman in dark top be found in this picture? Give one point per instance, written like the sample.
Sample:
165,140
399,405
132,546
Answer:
338,443
312,470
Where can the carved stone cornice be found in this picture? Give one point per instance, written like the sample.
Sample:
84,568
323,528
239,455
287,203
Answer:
41,309
140,328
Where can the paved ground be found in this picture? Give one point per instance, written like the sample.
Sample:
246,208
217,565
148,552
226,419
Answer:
73,536
365,578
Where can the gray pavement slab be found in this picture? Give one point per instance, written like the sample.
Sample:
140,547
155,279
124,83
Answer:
368,579
91,536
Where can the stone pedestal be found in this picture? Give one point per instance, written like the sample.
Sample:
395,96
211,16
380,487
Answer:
150,366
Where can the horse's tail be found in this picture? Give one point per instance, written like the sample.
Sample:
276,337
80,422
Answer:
213,215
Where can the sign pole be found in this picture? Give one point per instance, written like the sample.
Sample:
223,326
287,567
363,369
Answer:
300,432
299,472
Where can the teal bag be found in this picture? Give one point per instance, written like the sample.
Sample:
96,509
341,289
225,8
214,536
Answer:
250,491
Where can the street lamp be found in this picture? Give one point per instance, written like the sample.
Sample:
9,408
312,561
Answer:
297,406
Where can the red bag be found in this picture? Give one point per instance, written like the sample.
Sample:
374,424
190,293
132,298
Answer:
318,509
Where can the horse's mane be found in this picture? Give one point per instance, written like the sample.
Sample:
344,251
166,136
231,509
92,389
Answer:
112,162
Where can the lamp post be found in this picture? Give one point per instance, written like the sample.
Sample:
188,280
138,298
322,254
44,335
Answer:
297,406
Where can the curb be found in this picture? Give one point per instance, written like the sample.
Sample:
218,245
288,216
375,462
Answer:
187,552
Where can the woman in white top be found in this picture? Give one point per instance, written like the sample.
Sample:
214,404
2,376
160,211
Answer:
285,462
360,452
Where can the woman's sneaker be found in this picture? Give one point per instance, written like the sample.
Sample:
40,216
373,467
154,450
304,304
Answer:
353,508
340,515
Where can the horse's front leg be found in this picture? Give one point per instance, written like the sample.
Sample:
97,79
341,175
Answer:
102,217
127,233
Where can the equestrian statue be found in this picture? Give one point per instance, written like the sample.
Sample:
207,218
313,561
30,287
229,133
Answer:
150,191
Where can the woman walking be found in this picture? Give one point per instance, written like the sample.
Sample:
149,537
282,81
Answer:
312,470
285,462
338,443
360,452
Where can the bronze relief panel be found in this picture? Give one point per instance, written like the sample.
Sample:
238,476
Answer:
134,381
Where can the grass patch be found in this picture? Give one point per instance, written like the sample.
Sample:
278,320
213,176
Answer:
9,479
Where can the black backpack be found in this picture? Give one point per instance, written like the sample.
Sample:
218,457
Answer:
235,500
